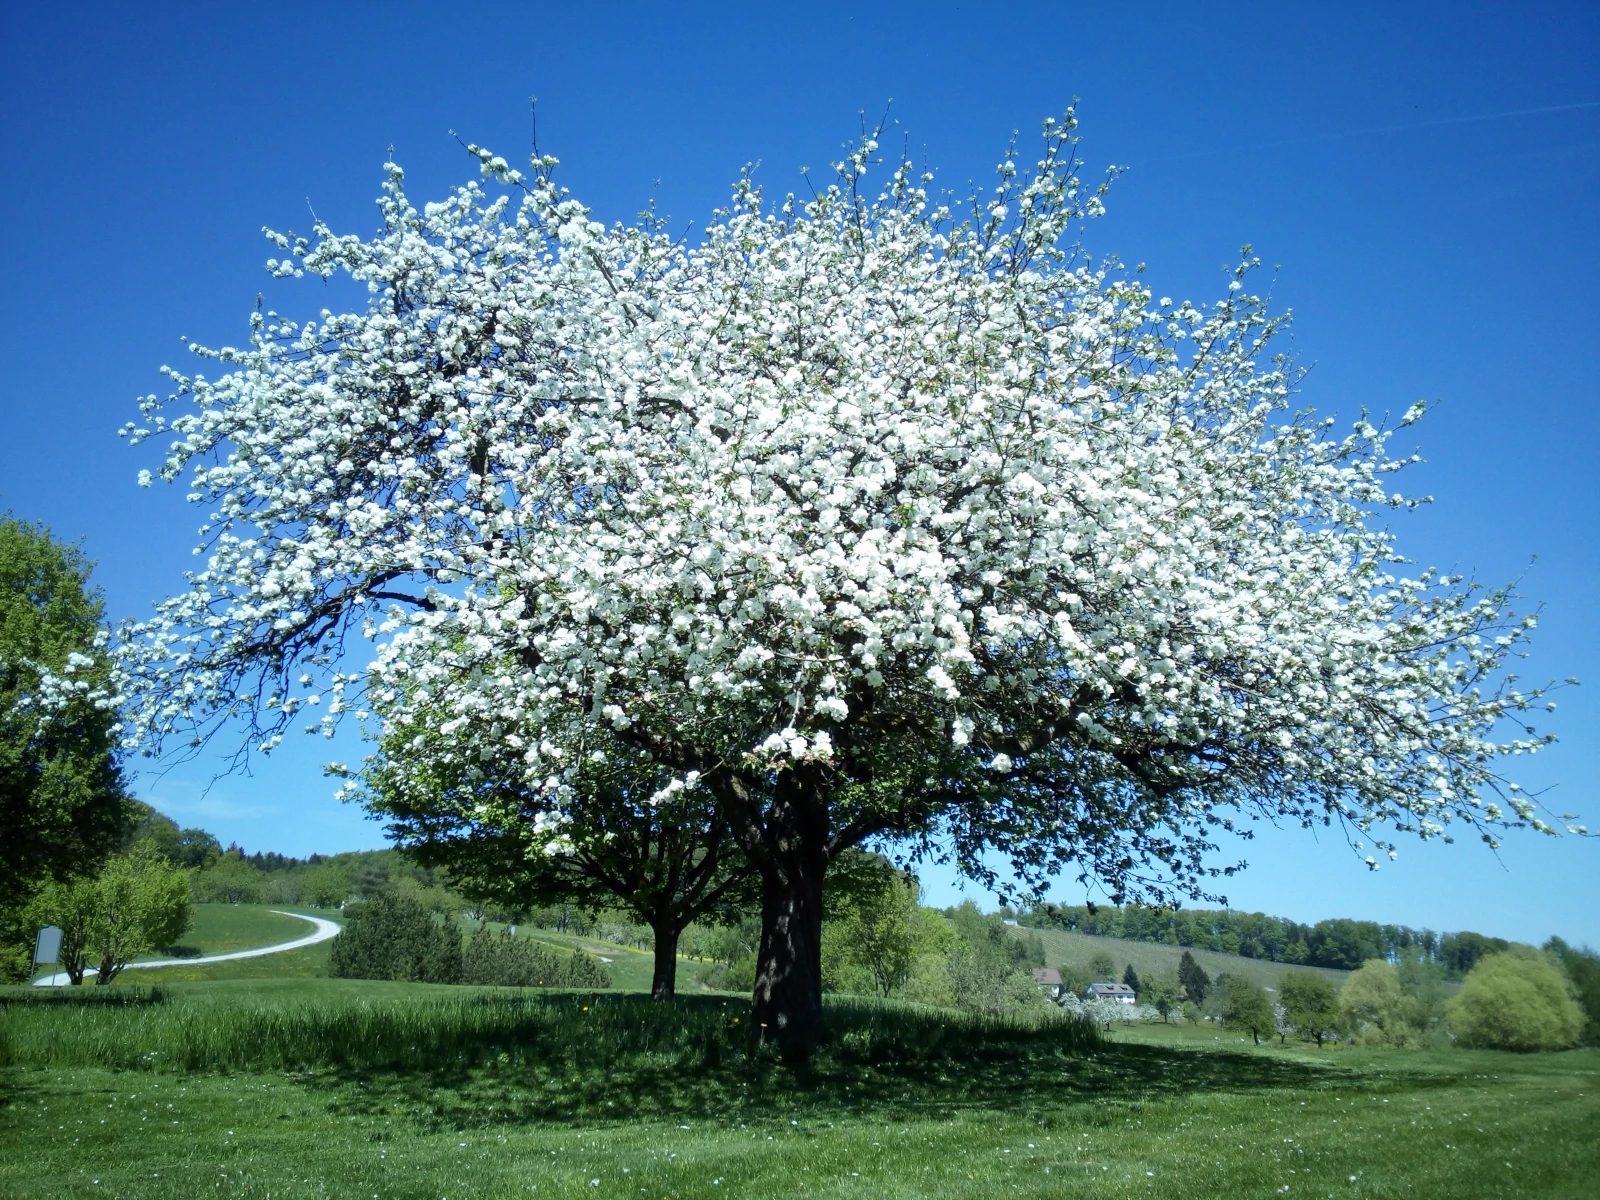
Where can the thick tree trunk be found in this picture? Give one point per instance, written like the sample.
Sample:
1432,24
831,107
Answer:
664,985
787,1006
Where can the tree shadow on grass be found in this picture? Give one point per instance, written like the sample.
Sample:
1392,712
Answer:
1038,1084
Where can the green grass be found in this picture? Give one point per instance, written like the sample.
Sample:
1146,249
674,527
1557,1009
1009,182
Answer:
308,962
1063,948
221,928
401,1090
631,968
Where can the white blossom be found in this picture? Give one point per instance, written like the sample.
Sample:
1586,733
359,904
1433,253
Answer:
845,479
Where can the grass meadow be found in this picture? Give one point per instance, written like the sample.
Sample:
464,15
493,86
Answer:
348,1088
262,1077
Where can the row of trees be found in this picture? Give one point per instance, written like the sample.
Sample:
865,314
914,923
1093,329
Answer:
1518,999
1338,943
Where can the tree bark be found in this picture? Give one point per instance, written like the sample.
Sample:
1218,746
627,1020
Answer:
787,1005
664,984
788,843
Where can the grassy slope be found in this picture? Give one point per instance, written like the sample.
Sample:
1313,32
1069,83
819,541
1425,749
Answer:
631,968
221,928
1149,959
1159,1113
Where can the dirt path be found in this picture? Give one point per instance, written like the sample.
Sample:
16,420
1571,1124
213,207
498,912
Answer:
325,929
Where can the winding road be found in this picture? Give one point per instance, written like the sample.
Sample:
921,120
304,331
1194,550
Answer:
325,929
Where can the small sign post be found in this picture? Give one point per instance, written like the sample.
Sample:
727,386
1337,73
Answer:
47,946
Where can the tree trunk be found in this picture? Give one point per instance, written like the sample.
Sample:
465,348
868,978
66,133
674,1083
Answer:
787,1005
664,985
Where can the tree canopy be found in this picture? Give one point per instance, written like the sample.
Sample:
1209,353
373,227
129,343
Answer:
874,515
1517,1000
63,803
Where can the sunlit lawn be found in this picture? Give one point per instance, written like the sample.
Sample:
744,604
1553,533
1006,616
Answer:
1166,1113
221,928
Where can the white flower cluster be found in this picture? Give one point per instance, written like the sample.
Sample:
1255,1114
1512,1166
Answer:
84,682
846,479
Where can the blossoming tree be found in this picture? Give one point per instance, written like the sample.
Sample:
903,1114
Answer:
873,517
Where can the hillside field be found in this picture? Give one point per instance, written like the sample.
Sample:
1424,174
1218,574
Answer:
1063,948
221,928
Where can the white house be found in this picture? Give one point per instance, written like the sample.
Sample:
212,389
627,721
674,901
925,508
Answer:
1119,992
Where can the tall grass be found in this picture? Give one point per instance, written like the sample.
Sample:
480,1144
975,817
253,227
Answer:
490,1029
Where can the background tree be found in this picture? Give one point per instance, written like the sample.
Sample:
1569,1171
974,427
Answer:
1245,1005
63,802
1193,979
623,836
1131,978
875,926
230,880
1376,1007
1162,995
1102,966
876,519
325,886
137,902
1582,966
1310,1004
1516,1000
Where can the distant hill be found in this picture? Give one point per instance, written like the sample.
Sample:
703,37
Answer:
1063,948
1337,942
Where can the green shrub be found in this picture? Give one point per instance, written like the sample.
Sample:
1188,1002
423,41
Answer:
1518,1000
395,937
1376,1008
501,960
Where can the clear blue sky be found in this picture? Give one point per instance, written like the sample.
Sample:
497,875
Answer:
1428,177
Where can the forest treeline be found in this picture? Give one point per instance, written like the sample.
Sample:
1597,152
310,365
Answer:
1340,943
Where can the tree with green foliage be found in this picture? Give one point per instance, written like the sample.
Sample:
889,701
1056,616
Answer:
1520,999
1131,978
1582,966
325,886
230,880
625,836
394,937
1377,1009
1102,966
193,848
1310,1004
874,926
1245,1006
1193,979
137,902
1460,952
63,798
1162,994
